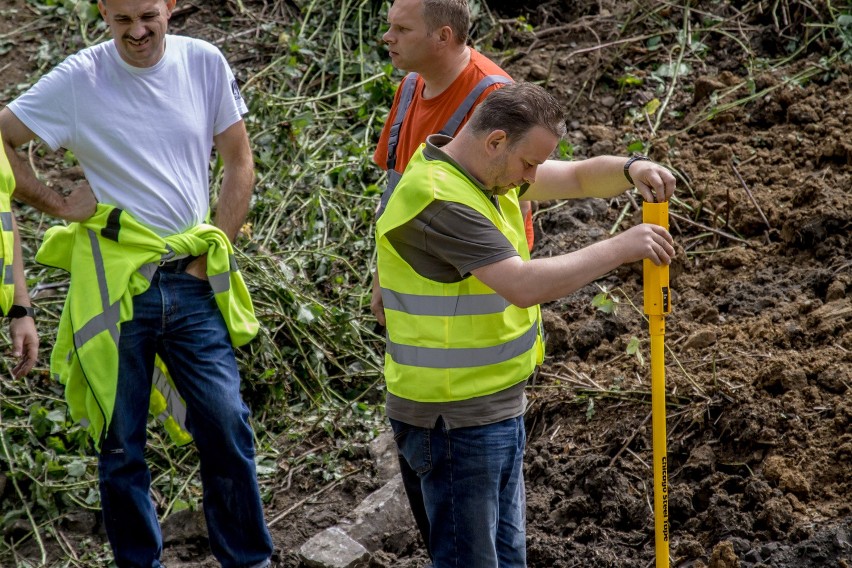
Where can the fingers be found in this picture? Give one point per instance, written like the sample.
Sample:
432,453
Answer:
24,366
80,204
24,346
655,183
648,241
662,250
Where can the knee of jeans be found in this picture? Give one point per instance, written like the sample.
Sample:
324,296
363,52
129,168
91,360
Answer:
227,431
119,461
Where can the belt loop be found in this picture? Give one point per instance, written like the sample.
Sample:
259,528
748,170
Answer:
168,256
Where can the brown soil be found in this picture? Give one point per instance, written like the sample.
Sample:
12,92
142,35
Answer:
759,343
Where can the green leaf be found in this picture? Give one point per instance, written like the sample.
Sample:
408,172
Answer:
56,444
636,146
305,315
76,468
603,303
57,416
629,81
92,497
633,348
652,106
669,70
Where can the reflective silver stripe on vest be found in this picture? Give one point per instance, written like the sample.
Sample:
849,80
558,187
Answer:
107,320
174,406
437,358
465,305
6,220
9,274
220,282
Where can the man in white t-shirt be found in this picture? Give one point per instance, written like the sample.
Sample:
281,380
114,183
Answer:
142,113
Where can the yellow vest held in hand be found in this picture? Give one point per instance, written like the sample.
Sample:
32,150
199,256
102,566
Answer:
7,235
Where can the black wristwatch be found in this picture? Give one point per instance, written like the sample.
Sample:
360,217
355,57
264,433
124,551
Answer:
17,311
636,157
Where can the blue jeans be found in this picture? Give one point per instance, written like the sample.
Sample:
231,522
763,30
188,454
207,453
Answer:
473,491
177,317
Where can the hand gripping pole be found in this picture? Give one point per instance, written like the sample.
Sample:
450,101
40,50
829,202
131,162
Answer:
657,304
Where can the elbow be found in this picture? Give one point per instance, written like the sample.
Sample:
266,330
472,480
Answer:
520,298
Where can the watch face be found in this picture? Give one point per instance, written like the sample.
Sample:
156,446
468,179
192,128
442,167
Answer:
16,312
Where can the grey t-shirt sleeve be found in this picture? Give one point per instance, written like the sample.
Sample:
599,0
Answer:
448,240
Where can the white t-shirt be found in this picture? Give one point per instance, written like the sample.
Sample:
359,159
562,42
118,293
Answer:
143,136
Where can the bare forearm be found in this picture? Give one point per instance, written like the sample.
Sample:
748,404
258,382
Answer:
543,280
601,176
546,279
22,295
238,182
28,189
234,199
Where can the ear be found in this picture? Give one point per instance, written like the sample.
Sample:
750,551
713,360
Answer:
445,35
170,6
102,10
496,141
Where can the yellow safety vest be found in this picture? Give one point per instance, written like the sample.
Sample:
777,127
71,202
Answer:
111,258
7,235
456,341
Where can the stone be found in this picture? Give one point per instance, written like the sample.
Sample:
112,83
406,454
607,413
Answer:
384,453
385,511
700,340
184,525
333,548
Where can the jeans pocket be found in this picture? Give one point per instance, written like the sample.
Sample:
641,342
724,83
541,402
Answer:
414,445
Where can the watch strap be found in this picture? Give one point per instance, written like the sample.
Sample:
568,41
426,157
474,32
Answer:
17,311
636,157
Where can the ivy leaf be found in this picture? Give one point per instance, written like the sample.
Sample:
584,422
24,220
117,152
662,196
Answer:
603,303
76,469
305,315
633,348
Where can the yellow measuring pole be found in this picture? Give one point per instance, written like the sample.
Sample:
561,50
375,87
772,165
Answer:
657,305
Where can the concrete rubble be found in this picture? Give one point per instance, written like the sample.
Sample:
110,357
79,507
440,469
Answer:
382,514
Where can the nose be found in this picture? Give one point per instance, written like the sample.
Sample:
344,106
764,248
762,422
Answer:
137,30
387,37
529,175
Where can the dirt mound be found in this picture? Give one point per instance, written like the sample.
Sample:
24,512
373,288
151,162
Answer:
760,339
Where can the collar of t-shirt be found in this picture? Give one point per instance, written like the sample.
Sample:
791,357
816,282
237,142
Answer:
433,151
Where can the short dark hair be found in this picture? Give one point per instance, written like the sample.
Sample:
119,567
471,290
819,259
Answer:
516,109
452,13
